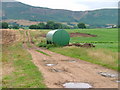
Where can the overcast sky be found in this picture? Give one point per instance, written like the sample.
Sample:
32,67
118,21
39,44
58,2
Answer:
75,5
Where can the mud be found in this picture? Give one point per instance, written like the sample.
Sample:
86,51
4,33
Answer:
56,70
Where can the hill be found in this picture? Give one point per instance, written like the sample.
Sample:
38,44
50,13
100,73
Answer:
18,10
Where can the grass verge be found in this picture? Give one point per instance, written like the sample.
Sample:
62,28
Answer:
24,73
101,57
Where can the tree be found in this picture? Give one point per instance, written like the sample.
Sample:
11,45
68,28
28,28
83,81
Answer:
4,25
118,26
41,26
81,25
15,26
65,26
33,27
57,26
50,25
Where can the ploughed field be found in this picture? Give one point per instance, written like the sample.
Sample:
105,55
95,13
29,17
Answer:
26,64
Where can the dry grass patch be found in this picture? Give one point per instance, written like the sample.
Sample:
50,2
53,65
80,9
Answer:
7,69
37,36
10,36
102,56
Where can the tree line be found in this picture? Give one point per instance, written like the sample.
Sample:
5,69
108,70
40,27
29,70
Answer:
54,25
48,25
5,25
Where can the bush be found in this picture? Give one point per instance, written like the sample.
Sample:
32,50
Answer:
47,46
33,27
41,26
81,25
15,27
4,25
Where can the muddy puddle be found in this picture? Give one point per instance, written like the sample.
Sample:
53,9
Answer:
117,81
50,65
76,85
72,61
106,74
56,70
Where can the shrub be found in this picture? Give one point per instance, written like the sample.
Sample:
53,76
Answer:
47,46
4,25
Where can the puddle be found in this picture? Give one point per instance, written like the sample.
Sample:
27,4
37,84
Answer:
77,85
73,61
105,74
117,81
50,65
56,70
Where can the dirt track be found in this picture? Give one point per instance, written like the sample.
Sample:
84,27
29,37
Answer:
66,70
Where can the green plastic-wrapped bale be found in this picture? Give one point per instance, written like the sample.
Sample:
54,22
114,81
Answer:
58,37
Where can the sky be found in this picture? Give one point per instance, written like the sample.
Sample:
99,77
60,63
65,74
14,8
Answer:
74,5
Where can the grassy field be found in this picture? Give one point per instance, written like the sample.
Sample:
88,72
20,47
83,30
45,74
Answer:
106,38
19,70
105,52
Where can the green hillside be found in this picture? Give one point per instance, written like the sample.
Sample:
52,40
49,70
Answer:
18,10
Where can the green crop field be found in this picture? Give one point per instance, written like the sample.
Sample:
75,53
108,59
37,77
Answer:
106,38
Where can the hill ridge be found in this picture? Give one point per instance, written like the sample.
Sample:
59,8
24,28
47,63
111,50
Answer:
18,10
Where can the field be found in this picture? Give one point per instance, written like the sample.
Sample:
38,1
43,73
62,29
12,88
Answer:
106,38
25,64
105,52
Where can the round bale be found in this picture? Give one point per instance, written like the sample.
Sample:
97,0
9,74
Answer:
58,37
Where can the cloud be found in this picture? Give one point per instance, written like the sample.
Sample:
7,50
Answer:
75,5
